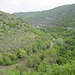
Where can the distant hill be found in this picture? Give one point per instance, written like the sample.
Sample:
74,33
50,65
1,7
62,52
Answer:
62,16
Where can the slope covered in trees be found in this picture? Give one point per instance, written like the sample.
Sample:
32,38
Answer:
24,50
17,39
62,16
60,60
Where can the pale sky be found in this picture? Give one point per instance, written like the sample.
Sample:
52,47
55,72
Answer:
11,6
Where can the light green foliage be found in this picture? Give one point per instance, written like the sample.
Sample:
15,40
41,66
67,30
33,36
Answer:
10,73
13,72
27,29
22,53
24,73
4,22
17,72
59,41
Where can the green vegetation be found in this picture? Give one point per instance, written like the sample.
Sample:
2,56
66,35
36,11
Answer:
17,39
60,60
24,50
60,16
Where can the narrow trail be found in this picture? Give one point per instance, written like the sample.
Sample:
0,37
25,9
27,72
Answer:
53,56
4,69
52,43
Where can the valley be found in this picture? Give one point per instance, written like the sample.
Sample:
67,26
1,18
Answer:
38,43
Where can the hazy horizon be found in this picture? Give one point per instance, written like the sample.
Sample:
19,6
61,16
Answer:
11,6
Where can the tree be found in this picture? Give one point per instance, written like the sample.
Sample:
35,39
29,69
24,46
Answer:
35,48
61,60
33,60
44,68
14,56
40,44
4,22
59,41
4,27
7,60
22,53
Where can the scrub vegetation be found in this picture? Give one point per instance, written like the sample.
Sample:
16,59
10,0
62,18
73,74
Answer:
46,50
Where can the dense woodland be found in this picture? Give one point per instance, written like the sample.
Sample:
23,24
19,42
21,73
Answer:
47,50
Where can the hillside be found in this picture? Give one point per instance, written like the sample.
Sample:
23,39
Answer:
61,16
16,35
12,31
24,50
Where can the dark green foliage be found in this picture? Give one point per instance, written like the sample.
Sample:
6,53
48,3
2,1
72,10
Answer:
7,60
4,27
61,60
11,25
1,59
17,23
13,57
44,67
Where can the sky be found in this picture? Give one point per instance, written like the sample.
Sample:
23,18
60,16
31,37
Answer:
11,6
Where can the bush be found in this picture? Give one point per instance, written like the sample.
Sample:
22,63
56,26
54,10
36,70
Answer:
10,73
4,22
4,27
61,60
22,53
1,59
7,60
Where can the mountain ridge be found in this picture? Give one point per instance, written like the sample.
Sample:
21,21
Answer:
50,17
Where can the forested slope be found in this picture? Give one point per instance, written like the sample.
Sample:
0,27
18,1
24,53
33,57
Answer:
62,16
18,38
24,50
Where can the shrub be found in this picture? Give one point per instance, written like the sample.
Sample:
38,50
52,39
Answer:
4,22
7,60
1,59
22,53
